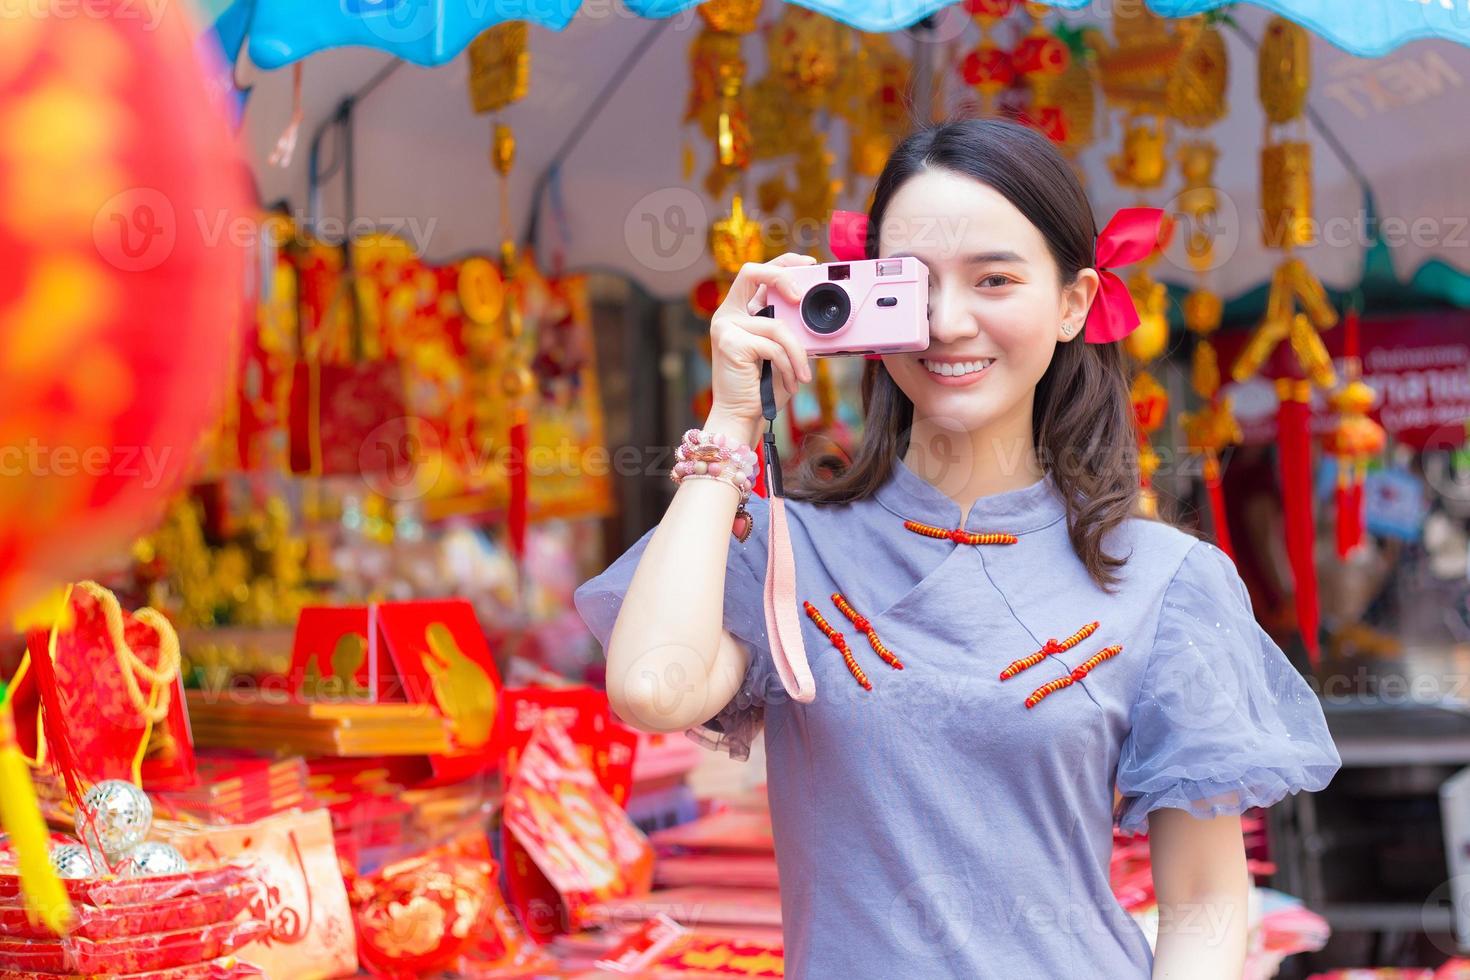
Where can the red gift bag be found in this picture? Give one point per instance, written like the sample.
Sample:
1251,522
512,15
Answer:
108,685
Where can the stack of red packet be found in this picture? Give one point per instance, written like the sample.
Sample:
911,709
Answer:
362,799
237,789
177,927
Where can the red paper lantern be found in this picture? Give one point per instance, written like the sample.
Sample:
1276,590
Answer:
988,68
1041,54
987,12
121,208
705,297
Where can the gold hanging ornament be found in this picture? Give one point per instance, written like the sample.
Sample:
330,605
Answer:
500,67
730,16
878,116
805,53
717,99
1284,70
1150,409
732,135
735,239
1196,89
1134,71
1292,283
1286,195
1074,93
1143,161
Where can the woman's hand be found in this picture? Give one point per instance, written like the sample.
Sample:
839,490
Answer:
740,340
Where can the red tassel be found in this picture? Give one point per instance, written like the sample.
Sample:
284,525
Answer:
1349,508
516,513
1215,487
1295,440
60,753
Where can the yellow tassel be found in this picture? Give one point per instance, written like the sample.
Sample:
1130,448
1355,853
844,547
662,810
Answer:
20,817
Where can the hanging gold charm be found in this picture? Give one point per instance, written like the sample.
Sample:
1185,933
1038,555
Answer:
500,66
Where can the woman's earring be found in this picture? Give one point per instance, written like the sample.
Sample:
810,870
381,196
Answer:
1067,328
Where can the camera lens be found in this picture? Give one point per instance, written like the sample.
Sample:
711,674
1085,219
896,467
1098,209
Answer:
825,308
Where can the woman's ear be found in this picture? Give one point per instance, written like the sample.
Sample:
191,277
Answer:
1077,297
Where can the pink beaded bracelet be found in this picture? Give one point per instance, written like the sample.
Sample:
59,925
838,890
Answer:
713,456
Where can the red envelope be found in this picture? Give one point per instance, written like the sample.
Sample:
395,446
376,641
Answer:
607,746
425,652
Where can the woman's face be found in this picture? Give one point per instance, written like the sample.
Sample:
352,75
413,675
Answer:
996,305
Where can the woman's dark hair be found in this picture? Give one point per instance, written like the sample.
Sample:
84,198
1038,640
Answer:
1082,419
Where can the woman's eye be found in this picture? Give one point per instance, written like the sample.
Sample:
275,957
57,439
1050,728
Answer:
994,280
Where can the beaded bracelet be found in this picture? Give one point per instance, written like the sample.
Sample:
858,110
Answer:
713,456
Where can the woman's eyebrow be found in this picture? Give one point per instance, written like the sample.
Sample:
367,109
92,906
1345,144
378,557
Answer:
978,258
981,258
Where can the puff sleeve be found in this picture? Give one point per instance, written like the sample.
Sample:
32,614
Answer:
735,727
1222,721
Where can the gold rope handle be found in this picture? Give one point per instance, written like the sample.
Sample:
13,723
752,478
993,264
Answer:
154,707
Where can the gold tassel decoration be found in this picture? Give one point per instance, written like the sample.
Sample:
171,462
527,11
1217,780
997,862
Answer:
20,813
20,817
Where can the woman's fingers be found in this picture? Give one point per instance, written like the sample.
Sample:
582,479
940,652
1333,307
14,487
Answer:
775,330
752,275
761,347
771,351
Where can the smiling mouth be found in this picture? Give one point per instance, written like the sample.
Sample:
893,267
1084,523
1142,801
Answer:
957,369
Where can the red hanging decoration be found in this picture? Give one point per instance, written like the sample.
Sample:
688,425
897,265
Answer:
519,489
1215,487
1295,441
1352,442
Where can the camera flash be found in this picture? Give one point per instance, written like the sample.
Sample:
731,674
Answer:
889,267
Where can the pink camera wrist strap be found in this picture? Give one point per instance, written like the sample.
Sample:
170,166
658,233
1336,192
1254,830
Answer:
783,626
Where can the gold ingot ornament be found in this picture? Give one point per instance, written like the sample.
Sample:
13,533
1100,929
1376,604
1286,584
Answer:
1284,70
1286,195
735,239
500,66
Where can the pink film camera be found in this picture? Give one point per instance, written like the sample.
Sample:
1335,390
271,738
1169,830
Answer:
867,306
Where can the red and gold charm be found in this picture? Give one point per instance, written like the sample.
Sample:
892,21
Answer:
840,642
864,626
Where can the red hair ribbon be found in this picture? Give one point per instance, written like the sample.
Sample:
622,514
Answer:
1130,237
847,236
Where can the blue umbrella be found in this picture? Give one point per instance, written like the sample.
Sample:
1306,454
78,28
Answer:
432,32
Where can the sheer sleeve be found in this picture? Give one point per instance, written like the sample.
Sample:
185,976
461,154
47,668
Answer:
1223,721
735,727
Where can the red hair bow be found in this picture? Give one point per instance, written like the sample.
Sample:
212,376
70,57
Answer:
847,236
1130,237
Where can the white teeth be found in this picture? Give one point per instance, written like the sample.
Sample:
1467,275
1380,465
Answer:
956,370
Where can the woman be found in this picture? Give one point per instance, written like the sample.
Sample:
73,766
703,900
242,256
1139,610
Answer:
944,806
